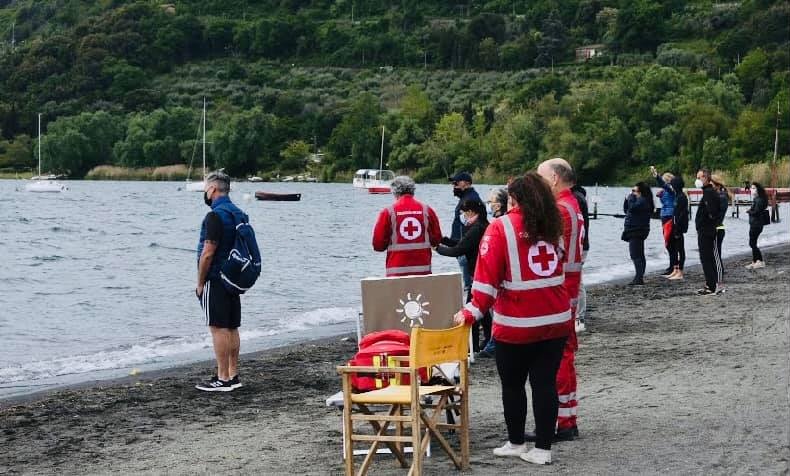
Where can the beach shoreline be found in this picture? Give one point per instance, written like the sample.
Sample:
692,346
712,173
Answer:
668,382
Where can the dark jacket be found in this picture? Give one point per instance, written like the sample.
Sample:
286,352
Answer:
458,227
724,202
638,211
708,212
759,204
467,245
680,212
581,196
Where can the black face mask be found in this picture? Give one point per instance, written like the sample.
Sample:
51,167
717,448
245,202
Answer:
206,199
458,192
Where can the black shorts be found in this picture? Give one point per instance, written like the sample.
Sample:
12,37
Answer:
221,308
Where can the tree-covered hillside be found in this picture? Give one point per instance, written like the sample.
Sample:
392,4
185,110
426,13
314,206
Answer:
491,87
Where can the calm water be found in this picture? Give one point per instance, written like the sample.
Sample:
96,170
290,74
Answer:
100,279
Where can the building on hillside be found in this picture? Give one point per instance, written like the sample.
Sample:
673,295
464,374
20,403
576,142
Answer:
587,52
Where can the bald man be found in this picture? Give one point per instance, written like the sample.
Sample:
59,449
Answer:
561,177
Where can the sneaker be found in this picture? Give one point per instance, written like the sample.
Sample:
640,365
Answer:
509,449
705,292
758,265
566,434
750,265
637,282
214,385
668,271
580,326
537,456
719,290
235,383
484,354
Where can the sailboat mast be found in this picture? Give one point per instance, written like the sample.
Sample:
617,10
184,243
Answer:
204,138
381,157
39,144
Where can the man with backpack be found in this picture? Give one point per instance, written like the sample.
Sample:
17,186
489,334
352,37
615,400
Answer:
228,264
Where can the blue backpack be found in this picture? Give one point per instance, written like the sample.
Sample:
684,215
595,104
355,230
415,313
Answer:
243,266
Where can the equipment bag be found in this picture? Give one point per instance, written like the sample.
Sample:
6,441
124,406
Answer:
377,349
243,266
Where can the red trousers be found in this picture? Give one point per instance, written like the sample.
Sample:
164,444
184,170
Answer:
566,390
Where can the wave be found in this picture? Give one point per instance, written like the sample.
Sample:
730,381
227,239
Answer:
161,349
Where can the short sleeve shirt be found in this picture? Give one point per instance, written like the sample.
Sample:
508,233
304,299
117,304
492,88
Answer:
213,227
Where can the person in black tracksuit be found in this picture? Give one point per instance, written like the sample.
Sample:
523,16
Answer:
475,219
706,221
758,217
638,208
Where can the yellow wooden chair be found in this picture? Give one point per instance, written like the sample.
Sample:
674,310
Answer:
428,347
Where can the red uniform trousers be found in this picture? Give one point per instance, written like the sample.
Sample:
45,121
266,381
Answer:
566,375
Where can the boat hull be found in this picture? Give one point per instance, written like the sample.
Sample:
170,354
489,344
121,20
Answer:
379,190
195,187
45,187
278,197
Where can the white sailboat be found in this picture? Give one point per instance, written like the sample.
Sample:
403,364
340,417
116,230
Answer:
43,185
200,186
375,181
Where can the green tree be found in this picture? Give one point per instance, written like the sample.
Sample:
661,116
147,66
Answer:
753,68
356,141
294,156
76,144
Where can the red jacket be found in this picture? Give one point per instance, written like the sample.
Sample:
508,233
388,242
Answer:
522,281
407,230
573,242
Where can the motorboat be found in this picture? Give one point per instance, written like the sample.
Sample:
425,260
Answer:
254,178
278,197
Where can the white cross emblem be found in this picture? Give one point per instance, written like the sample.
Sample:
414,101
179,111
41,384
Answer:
542,258
410,228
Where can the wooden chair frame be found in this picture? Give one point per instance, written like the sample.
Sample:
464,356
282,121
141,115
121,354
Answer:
429,348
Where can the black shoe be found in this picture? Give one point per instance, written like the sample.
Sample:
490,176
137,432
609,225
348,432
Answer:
567,434
705,292
484,354
637,282
214,385
668,271
235,383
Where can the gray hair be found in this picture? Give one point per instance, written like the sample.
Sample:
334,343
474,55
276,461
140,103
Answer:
220,180
402,185
500,196
563,170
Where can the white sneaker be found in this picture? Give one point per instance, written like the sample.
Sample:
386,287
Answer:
580,326
750,266
758,265
537,456
509,449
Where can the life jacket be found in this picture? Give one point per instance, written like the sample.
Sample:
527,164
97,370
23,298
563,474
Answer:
377,349
225,244
522,282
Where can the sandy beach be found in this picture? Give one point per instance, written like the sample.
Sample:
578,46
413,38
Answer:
669,382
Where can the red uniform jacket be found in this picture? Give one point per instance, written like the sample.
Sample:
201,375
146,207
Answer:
407,230
573,239
522,281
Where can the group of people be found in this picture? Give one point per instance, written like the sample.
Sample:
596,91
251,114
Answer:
709,223
522,254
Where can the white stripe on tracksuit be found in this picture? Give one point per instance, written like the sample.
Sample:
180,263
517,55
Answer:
205,301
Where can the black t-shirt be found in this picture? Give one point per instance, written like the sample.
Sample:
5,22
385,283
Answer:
213,227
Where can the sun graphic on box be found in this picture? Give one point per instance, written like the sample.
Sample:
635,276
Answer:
413,310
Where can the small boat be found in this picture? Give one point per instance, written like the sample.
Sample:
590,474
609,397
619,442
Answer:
379,190
278,197
201,185
43,183
254,178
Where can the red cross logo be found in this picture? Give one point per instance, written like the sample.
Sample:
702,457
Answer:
542,258
410,228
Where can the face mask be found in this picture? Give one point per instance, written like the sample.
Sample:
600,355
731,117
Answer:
698,183
464,220
458,192
206,200
489,210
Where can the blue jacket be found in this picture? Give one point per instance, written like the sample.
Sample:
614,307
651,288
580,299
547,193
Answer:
667,198
225,209
638,211
458,227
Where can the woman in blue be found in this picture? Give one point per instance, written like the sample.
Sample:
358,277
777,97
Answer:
758,217
667,196
638,208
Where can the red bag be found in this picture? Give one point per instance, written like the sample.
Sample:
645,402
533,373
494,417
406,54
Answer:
376,350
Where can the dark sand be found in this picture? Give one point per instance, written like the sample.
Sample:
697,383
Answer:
669,382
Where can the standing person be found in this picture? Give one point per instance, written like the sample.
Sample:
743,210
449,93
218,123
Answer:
757,219
559,174
222,308
406,230
581,308
724,202
519,277
680,225
475,223
496,206
706,220
667,195
463,189
638,208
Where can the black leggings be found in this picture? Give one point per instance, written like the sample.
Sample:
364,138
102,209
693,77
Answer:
636,247
539,362
677,251
754,234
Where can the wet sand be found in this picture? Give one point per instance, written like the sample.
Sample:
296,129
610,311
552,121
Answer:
669,382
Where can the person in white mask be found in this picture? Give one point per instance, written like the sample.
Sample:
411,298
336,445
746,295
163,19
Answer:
758,218
706,221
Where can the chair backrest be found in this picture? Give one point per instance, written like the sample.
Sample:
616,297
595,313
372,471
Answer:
430,347
406,302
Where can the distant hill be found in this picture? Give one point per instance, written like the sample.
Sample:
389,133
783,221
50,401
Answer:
491,87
